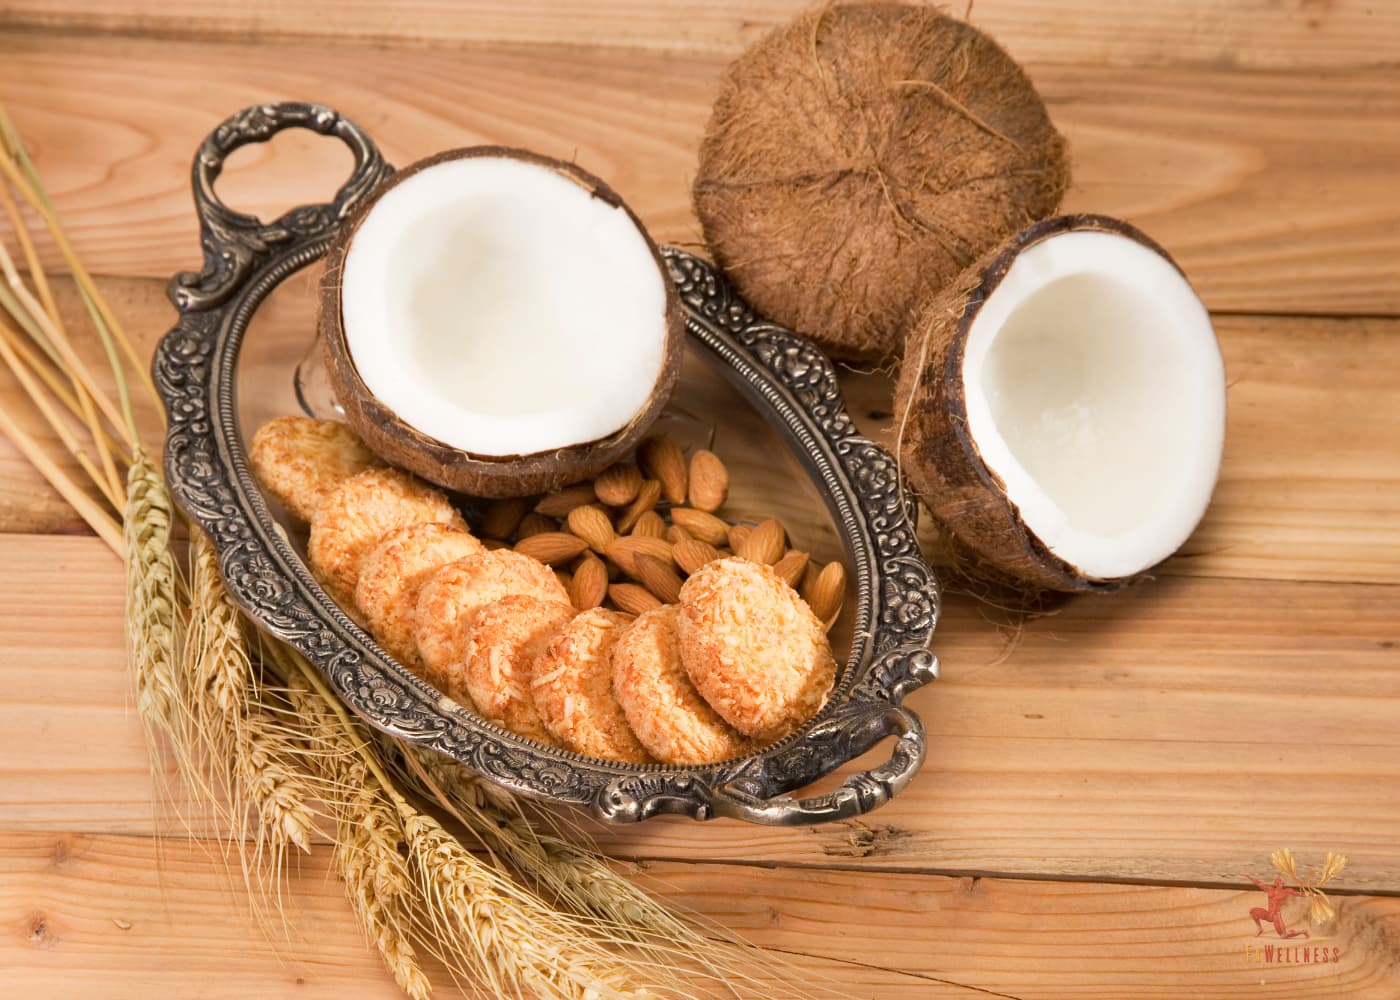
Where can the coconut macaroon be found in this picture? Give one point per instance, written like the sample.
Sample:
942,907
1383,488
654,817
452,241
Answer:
449,602
301,461
661,704
502,645
573,691
862,155
752,648
394,574
362,510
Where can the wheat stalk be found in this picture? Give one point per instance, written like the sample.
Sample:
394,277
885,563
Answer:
150,595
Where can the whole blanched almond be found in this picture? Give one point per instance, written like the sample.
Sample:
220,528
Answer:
590,583
691,554
658,577
624,551
651,525
502,517
617,485
662,460
591,523
709,481
765,544
701,524
791,567
632,598
826,592
648,495
551,547
560,502
535,524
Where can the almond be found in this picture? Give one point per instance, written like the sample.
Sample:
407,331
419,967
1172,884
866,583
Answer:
617,485
662,460
591,523
675,533
491,544
560,502
737,534
765,544
535,524
650,524
826,592
691,554
647,496
565,578
659,578
701,524
551,547
502,517
624,551
709,481
590,584
791,567
632,599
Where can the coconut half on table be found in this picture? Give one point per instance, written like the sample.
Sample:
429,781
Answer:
499,323
1061,407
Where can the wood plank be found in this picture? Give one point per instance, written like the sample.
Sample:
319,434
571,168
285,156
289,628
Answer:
1177,732
1274,190
88,920
1255,34
1305,493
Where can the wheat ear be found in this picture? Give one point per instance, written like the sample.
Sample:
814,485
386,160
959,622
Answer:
150,595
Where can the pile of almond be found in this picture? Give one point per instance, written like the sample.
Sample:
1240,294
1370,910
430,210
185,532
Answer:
628,539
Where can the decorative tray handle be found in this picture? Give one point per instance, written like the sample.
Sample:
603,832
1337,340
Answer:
234,242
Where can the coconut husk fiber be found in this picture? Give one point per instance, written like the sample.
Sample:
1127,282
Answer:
859,158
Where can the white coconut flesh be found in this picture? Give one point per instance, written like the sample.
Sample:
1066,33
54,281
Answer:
502,309
1095,391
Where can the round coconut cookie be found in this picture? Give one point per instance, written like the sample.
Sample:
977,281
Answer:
862,155
661,704
301,461
752,648
450,600
502,645
394,573
573,692
358,513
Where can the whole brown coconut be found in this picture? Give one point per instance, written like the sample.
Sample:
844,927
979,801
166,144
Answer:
861,156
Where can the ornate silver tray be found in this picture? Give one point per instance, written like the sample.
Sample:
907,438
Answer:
788,380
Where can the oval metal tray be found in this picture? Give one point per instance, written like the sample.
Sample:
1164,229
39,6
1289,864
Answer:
785,377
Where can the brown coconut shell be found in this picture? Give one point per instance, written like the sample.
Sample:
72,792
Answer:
486,476
859,158
982,529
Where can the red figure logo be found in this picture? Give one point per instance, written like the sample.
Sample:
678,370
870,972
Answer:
1278,894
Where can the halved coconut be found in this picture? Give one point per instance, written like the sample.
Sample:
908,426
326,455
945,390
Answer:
1061,407
499,323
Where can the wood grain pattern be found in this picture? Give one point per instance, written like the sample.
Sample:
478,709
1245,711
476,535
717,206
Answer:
1178,732
1255,34
1273,190
1303,495
85,911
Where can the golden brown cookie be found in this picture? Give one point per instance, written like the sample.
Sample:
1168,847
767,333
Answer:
395,572
572,686
661,704
753,648
502,643
301,461
362,510
450,600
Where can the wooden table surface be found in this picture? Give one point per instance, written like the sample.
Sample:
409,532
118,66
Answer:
1101,783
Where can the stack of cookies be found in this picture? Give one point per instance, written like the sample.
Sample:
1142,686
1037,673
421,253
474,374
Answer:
638,646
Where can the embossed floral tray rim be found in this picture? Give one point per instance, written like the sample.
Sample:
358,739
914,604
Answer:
782,374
